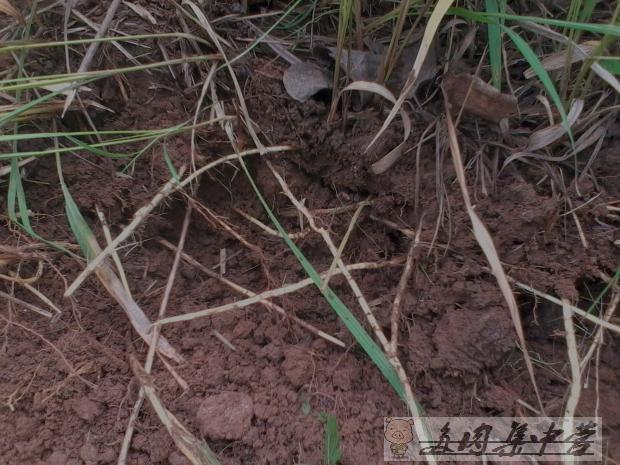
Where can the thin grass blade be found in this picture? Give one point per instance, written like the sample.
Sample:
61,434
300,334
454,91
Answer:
542,74
495,45
333,453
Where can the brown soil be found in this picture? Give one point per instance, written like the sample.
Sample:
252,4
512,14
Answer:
260,403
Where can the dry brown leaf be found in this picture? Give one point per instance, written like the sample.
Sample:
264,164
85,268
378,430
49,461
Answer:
142,12
558,60
365,66
359,65
601,72
303,80
478,98
7,8
546,136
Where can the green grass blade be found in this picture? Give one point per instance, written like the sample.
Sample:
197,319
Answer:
170,165
37,82
353,325
599,298
29,45
587,10
333,453
345,16
495,45
151,136
613,66
483,17
82,232
9,117
51,135
17,208
542,74
297,21
17,198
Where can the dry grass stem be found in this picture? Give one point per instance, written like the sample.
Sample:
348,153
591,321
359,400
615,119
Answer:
155,331
597,340
115,257
243,291
573,358
141,214
267,229
486,244
27,305
92,48
588,316
264,296
342,245
400,290
413,406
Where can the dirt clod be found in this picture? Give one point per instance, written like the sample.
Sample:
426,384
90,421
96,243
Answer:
226,416
297,366
89,453
57,458
86,409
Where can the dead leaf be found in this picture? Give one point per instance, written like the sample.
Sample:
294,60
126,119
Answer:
546,136
604,74
303,80
478,98
7,8
558,60
142,12
365,66
428,70
360,65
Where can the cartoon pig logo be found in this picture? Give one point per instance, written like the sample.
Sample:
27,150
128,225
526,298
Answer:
399,433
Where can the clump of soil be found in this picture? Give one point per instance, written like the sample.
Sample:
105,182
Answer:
227,415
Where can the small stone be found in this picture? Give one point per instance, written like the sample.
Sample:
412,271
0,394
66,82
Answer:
58,457
86,409
297,366
226,416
